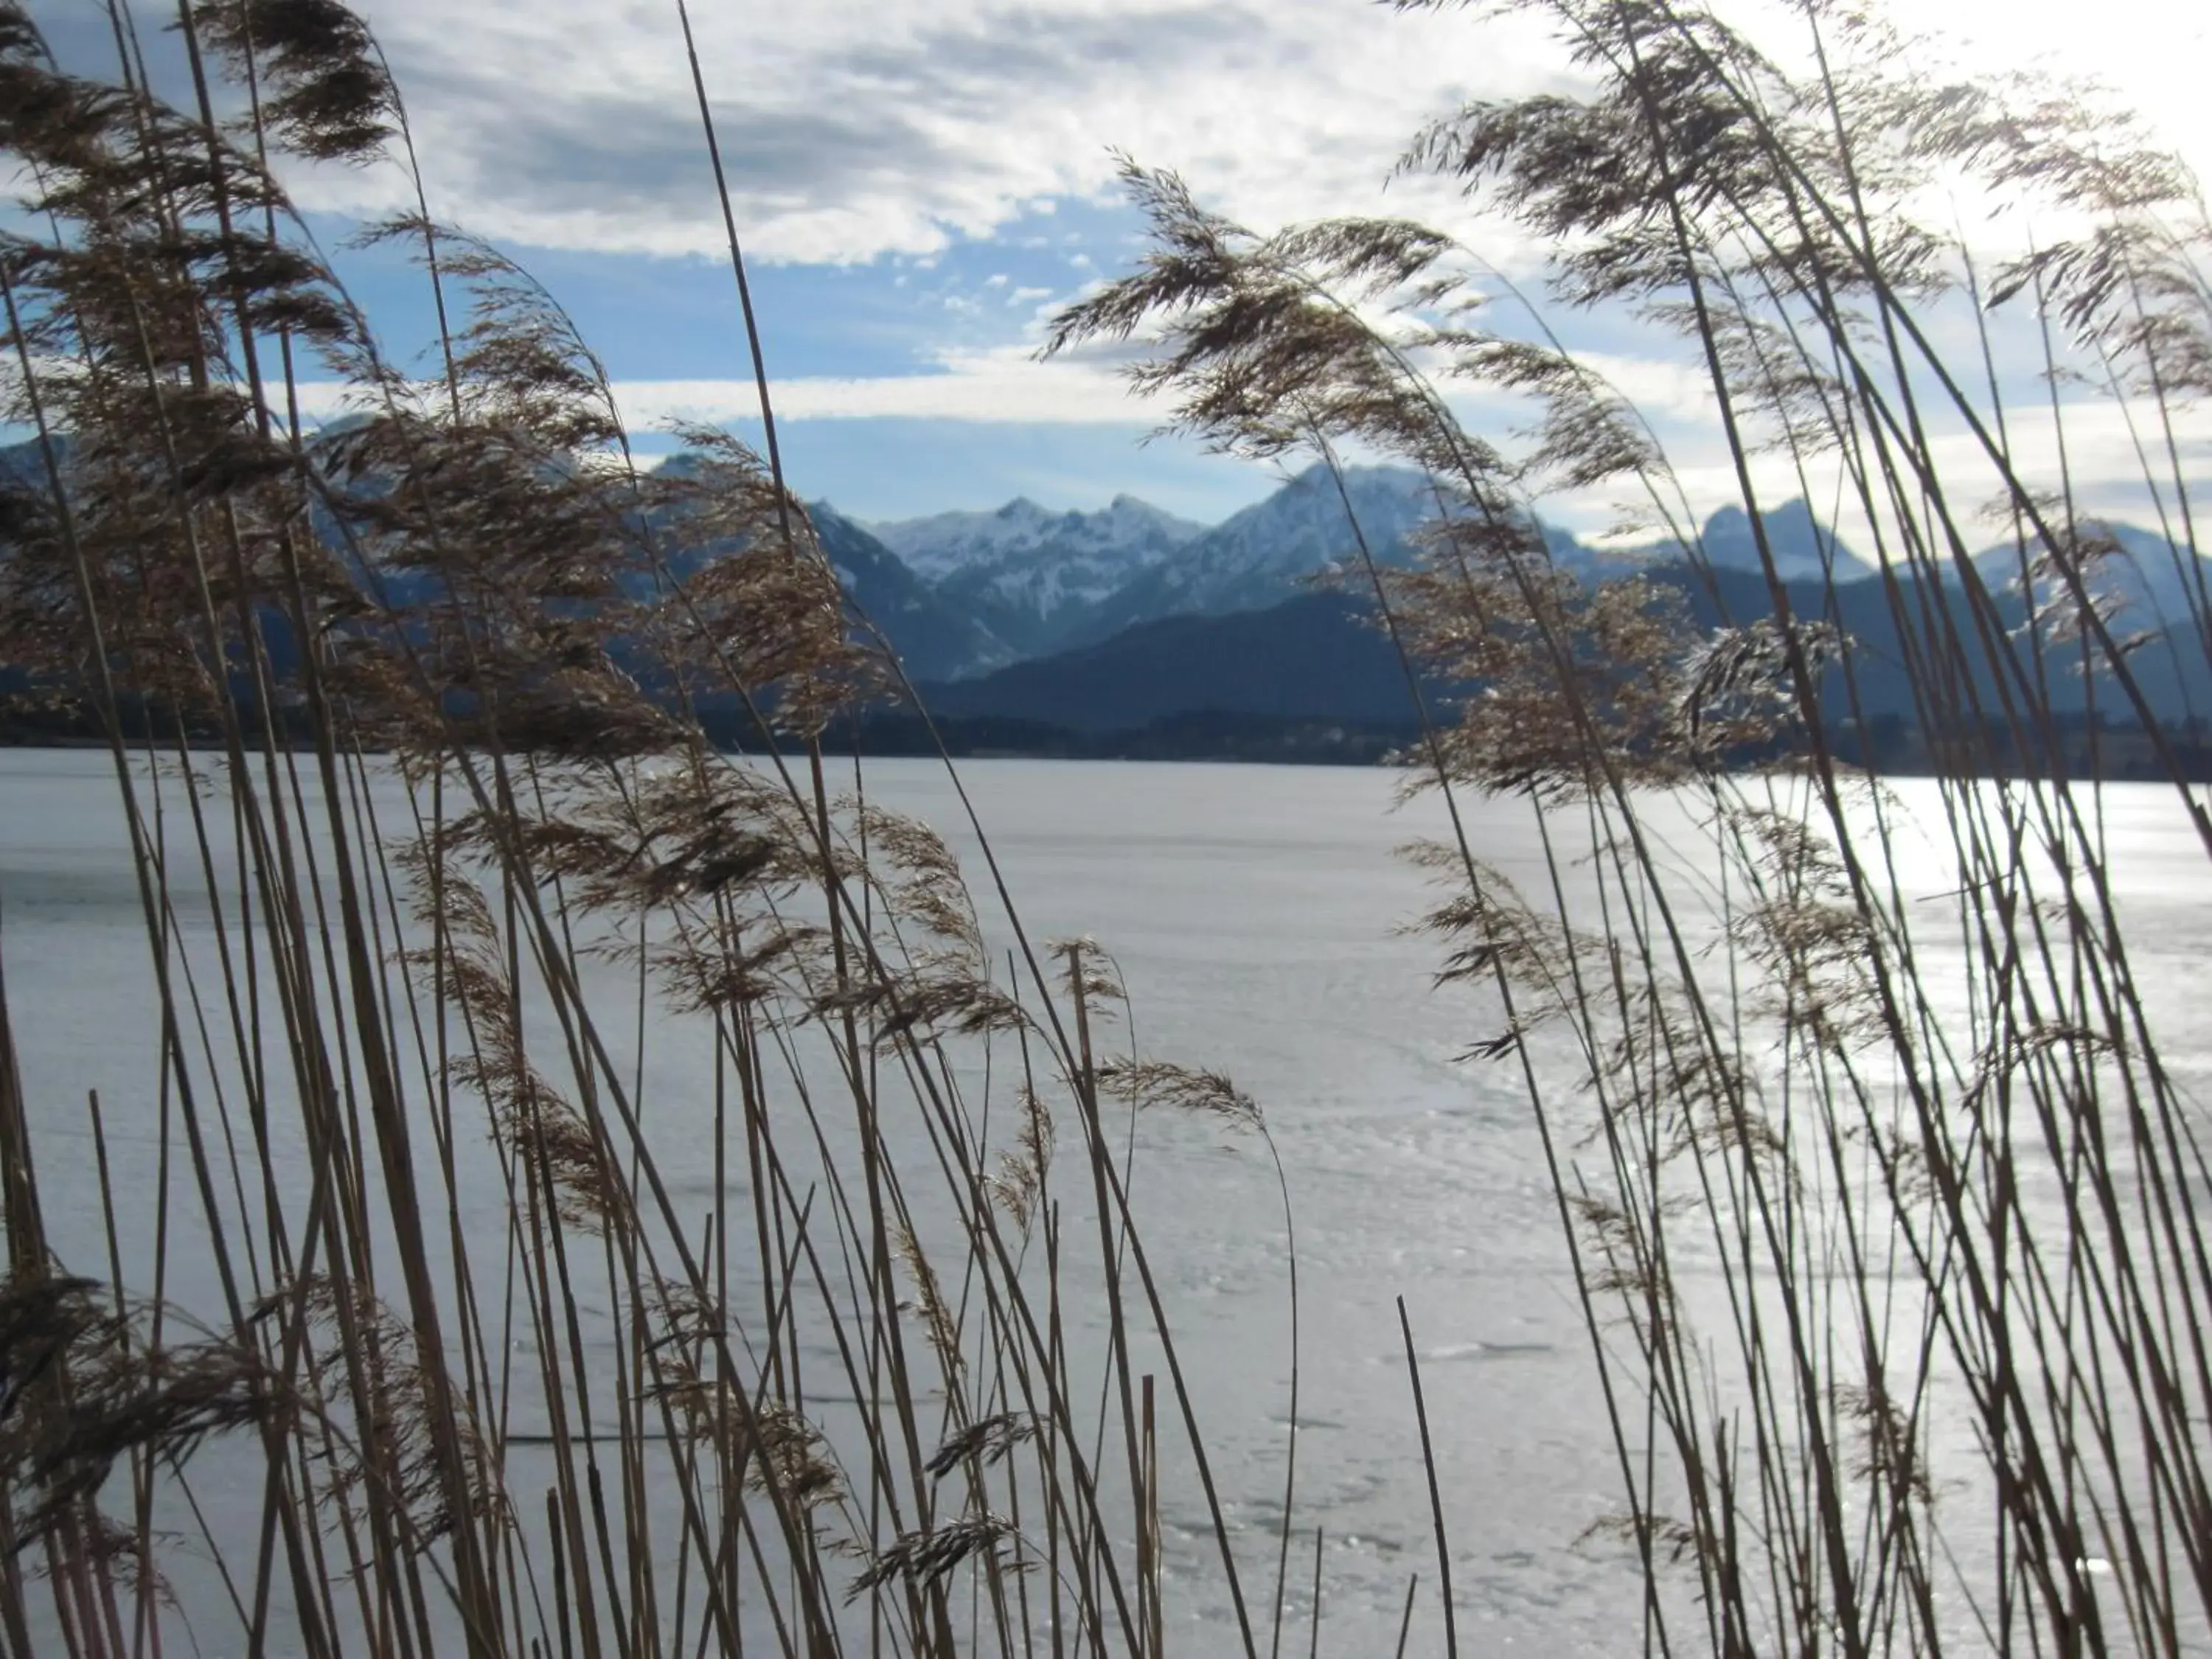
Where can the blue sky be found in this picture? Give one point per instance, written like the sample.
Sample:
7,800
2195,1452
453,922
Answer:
921,182
845,340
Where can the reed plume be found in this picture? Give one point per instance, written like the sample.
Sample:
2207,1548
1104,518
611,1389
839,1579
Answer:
514,1343
1815,1200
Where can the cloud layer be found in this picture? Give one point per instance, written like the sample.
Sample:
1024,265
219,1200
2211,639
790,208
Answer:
851,131
923,144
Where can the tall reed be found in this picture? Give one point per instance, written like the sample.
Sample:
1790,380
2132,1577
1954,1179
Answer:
1897,1285
511,1334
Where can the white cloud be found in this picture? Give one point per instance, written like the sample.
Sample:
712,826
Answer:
989,386
1003,386
2100,463
1661,390
855,128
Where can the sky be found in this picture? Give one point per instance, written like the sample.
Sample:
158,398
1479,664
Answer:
921,183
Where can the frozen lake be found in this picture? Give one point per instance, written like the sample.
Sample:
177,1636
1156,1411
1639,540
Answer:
1255,913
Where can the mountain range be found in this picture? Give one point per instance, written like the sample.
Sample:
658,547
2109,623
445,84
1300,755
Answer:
1036,580
1222,640
1118,620
1025,584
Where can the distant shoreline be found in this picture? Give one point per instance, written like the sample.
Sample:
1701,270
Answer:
2108,755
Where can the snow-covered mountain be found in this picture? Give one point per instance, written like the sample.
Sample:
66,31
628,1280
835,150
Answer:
1264,553
2159,581
1129,529
1801,544
1804,549
933,634
1031,576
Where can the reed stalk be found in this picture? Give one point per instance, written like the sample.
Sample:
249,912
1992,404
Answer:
411,709
1821,1211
